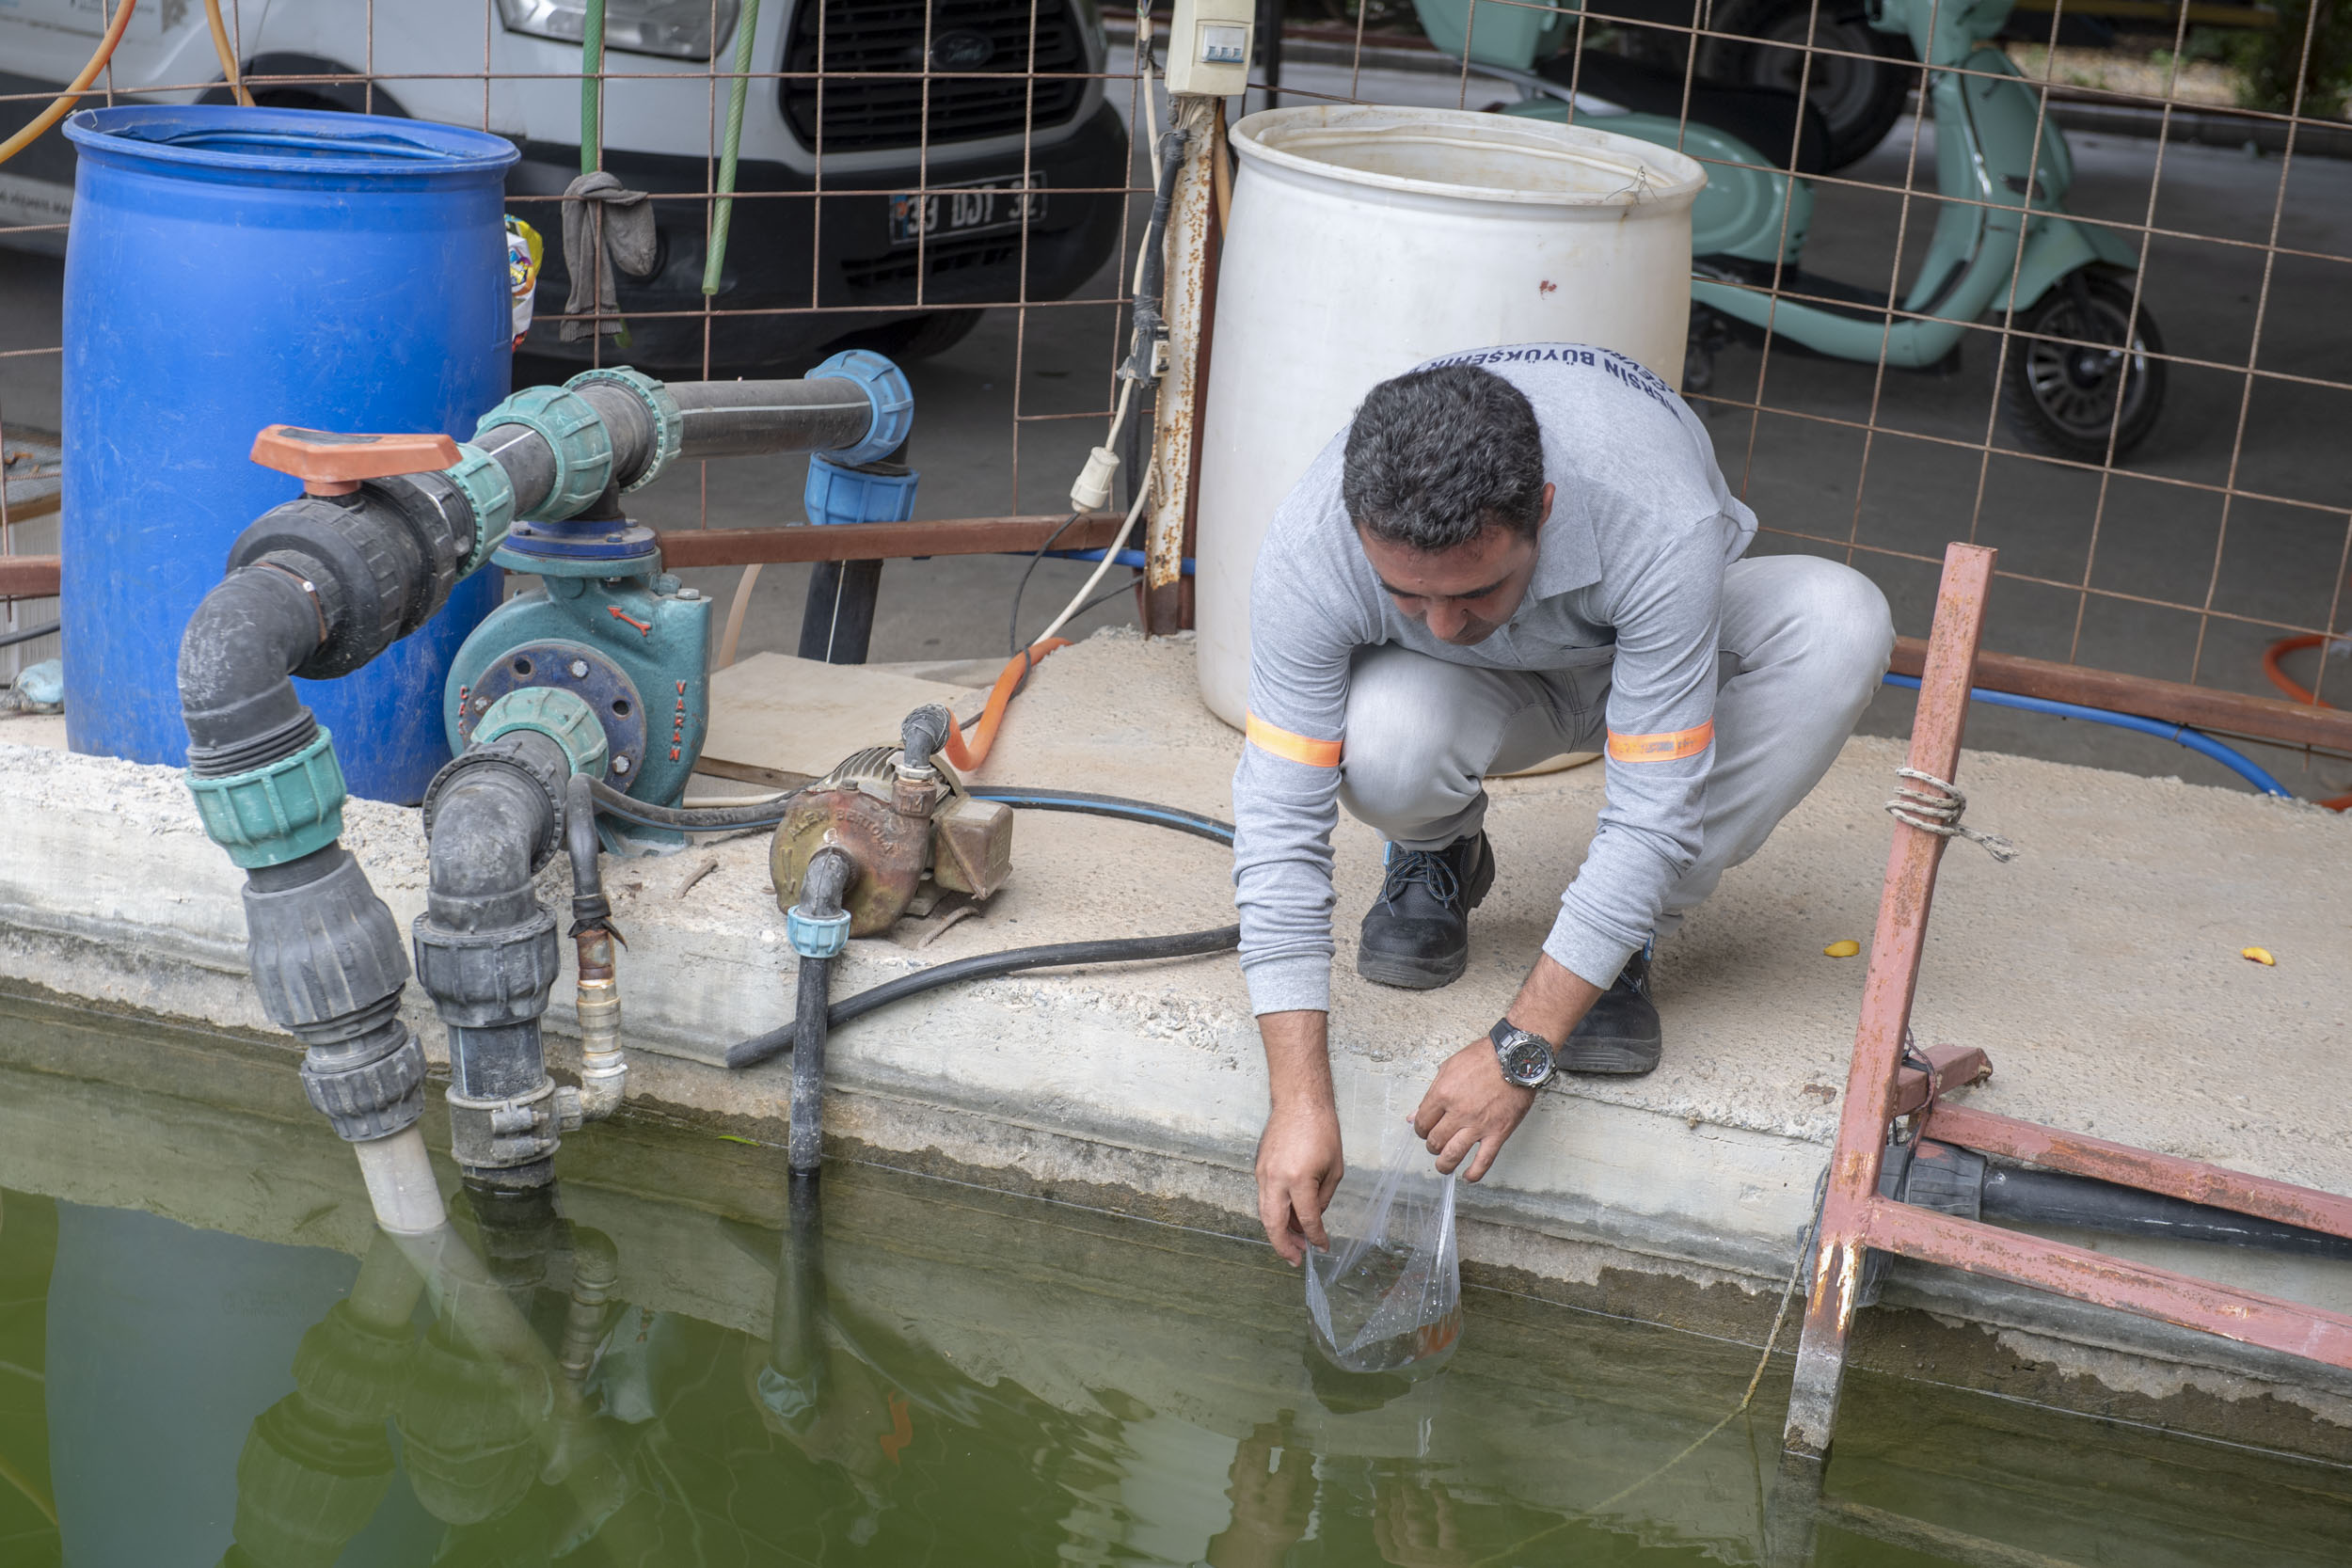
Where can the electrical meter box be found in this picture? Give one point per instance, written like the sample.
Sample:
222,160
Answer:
1209,47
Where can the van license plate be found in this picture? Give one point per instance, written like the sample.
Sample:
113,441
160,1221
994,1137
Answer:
972,206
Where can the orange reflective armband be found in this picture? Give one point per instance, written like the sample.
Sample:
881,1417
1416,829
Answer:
1292,748
1671,746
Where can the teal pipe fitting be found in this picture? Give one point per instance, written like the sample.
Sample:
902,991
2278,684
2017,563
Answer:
563,716
491,494
817,936
662,409
886,389
836,494
278,812
582,448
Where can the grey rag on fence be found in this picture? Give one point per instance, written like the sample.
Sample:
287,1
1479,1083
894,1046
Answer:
607,231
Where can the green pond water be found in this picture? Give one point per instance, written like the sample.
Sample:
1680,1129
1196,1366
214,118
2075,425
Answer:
209,1356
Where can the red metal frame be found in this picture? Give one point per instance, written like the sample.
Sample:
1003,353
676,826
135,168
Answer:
1855,1219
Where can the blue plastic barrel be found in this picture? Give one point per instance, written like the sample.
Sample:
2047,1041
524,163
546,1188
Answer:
229,268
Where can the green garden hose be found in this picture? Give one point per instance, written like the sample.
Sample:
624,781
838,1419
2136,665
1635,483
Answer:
735,94
591,88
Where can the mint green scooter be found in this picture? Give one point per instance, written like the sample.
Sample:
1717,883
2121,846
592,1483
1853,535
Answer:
2085,366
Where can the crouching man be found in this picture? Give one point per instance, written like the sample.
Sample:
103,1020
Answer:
1510,554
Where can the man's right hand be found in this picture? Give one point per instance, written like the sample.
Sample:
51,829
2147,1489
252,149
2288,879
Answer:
1299,1163
1298,1170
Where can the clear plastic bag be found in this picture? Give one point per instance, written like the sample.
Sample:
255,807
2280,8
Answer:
1387,1296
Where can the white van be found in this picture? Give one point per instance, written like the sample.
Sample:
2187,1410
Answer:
813,254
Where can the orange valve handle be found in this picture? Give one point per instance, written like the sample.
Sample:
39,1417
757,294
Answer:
332,464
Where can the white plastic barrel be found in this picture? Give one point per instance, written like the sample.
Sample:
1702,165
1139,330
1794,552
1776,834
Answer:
1367,240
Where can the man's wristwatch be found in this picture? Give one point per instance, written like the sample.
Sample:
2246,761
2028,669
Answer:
1526,1058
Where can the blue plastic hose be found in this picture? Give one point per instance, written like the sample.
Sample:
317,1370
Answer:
1126,557
2203,745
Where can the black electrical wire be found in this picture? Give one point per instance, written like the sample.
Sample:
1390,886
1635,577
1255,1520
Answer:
26,634
988,966
1012,632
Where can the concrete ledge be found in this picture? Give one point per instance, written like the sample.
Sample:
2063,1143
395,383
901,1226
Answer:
2100,971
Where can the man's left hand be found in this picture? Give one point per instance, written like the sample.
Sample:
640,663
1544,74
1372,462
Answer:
1471,1102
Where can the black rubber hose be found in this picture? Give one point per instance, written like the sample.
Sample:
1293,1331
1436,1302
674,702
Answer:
26,634
591,910
764,812
2052,1197
988,966
1118,806
923,732
821,887
767,811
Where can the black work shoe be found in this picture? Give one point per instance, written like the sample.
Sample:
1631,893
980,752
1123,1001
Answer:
1418,934
1621,1034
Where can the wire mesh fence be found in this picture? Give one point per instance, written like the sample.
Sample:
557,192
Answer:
2067,280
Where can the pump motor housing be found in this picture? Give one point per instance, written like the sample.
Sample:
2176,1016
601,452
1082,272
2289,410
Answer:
897,826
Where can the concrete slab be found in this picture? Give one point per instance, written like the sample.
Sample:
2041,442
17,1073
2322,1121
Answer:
782,721
2101,971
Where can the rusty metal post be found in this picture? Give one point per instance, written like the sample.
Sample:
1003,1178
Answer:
1190,298
1896,946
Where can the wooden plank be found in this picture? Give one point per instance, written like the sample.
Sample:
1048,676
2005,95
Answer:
2200,708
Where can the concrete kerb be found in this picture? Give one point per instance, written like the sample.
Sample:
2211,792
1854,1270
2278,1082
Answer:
2093,971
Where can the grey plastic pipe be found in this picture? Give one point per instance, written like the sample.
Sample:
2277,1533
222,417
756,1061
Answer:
749,419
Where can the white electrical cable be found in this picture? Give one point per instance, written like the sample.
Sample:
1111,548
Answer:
1143,77
1093,482
1143,494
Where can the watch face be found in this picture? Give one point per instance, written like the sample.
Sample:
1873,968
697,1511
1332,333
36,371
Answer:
1527,1062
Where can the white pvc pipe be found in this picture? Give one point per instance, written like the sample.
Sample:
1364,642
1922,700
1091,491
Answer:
401,1184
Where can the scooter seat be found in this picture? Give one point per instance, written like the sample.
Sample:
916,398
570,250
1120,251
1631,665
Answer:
1786,131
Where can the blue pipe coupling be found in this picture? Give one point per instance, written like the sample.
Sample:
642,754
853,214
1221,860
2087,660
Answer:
886,389
839,494
817,936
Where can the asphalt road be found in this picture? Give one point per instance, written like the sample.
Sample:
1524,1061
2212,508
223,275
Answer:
1005,419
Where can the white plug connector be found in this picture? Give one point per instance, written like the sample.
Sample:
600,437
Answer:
1092,492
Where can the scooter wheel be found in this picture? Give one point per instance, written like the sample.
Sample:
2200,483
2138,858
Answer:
2076,355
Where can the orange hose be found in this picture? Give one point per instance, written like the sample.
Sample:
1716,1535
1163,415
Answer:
227,53
2297,690
967,758
73,90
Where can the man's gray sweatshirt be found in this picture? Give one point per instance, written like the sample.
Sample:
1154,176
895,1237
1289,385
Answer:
1629,568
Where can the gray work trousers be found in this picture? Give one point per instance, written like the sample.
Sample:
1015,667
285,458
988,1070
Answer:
1804,644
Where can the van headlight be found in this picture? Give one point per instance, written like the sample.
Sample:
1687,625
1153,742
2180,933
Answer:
682,29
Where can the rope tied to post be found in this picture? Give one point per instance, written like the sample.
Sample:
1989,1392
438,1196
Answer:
1936,808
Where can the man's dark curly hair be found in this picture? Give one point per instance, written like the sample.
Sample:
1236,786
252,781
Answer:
1435,457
